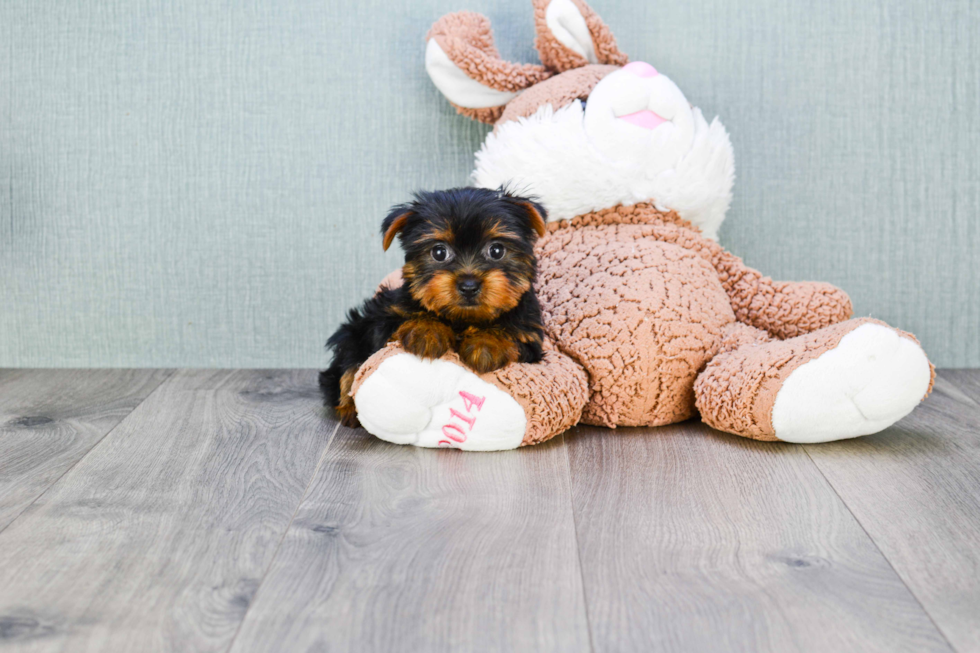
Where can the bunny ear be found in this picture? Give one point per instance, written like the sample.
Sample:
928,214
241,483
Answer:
571,35
465,66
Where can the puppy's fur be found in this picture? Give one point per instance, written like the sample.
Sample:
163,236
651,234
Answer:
468,287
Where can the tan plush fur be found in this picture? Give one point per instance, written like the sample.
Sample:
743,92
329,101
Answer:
557,91
644,303
467,39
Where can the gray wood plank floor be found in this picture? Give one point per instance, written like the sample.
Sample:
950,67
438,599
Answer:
158,538
212,510
692,540
403,549
915,489
49,419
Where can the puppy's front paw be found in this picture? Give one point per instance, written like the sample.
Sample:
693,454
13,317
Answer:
486,351
426,338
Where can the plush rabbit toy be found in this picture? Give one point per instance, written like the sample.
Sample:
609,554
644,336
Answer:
649,320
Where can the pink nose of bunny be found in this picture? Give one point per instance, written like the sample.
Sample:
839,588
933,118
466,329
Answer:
641,69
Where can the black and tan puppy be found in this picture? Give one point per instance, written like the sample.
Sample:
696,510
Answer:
468,287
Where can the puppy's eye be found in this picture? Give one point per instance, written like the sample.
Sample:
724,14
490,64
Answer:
496,251
441,253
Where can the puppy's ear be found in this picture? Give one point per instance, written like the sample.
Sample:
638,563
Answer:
394,223
535,214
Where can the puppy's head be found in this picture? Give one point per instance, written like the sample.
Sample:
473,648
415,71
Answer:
469,252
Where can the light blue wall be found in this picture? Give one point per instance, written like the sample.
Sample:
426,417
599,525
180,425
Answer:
200,183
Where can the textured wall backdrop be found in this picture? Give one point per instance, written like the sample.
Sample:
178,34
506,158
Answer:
200,183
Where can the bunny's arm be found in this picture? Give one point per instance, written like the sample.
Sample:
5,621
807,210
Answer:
784,309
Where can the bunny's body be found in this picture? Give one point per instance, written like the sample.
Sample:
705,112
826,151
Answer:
649,320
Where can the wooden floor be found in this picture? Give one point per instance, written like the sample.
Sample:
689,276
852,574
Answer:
202,510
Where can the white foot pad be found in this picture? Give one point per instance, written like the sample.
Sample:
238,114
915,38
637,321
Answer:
434,403
872,379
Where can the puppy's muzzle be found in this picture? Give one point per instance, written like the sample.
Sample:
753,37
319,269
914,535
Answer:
468,287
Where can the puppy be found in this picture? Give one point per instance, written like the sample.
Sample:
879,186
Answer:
468,287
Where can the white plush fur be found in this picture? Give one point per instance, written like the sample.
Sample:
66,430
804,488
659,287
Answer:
408,400
872,379
553,155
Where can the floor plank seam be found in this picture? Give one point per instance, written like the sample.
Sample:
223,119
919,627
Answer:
878,549
164,381
285,532
578,550
967,392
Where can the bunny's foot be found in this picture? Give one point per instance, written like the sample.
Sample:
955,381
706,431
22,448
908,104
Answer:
855,378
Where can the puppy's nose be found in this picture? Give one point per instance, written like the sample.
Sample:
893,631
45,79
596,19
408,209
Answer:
468,286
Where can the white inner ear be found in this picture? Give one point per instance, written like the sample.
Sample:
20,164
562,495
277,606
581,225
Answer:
568,26
457,86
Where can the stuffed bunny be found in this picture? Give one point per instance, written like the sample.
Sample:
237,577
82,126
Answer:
649,321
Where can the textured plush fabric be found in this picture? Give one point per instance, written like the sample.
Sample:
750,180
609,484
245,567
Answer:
602,38
639,213
644,302
642,317
552,393
736,335
393,279
489,115
467,39
556,91
556,56
785,309
737,390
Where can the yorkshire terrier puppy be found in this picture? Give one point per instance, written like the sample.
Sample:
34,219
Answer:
468,287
